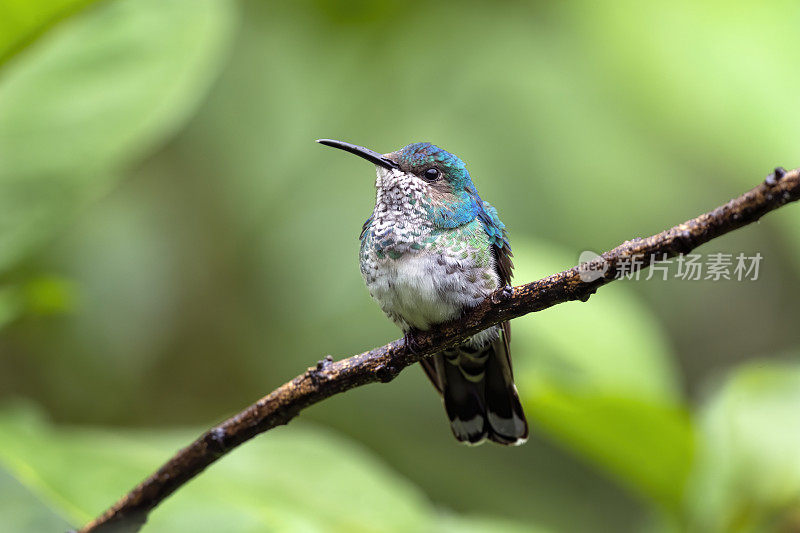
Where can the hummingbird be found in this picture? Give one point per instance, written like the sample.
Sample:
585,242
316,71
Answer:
430,250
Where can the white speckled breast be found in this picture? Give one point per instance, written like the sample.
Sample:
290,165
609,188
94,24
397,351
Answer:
418,274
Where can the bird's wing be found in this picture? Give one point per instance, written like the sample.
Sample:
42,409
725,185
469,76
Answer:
498,236
501,250
365,227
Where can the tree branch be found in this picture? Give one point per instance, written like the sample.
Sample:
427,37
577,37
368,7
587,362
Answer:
384,363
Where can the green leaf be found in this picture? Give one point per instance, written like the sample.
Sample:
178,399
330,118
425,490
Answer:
748,471
303,479
94,95
294,479
23,511
599,378
646,445
22,21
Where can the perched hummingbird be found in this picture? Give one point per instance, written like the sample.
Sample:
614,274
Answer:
431,250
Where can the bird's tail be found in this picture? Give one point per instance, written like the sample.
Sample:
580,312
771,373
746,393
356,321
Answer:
479,395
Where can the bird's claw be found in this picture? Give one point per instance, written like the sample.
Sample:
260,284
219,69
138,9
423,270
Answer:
502,294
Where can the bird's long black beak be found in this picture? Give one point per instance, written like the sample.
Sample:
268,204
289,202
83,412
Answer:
360,151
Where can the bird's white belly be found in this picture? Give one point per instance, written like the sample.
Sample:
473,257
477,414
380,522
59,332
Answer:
417,290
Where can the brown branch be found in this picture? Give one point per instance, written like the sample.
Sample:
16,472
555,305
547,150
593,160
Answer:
384,363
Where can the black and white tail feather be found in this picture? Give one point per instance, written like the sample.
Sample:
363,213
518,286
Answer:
477,388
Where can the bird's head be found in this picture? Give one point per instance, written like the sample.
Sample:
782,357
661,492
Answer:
431,174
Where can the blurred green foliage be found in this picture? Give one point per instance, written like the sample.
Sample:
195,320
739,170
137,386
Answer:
173,246
93,86
749,475
24,21
269,485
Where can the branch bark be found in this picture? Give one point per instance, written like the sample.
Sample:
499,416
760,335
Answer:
382,364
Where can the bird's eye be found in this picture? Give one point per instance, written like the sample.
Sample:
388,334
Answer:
432,174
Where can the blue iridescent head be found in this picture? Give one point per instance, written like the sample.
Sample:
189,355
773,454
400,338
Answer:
431,163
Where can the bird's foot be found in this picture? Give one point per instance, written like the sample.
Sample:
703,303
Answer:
502,294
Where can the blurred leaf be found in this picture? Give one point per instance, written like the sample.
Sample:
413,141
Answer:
270,483
748,468
599,378
92,97
647,445
21,21
23,511
298,479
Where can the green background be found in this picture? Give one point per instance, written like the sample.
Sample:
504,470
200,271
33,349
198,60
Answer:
173,246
